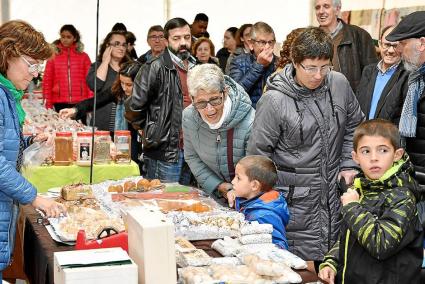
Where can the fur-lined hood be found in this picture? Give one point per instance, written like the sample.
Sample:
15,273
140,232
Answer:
58,46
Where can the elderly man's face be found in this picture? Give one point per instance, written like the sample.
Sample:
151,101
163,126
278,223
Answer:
411,50
156,41
390,52
326,13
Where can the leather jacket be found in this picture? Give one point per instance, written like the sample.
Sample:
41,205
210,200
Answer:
355,51
156,106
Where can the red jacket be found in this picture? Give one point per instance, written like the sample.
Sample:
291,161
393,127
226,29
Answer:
65,76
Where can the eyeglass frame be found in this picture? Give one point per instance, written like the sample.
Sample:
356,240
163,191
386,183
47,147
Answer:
118,44
313,70
221,98
156,37
394,45
264,42
32,68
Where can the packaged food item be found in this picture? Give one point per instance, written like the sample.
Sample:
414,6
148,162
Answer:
226,246
226,261
102,145
196,257
167,205
184,245
234,274
256,239
63,148
256,228
122,139
84,148
76,191
86,203
115,188
195,275
129,186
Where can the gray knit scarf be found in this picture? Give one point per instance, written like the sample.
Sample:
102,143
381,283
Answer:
409,114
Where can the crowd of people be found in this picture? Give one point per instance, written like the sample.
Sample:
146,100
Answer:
276,137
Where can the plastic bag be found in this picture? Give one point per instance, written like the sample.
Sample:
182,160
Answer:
38,154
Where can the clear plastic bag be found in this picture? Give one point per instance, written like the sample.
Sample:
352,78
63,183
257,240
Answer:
38,154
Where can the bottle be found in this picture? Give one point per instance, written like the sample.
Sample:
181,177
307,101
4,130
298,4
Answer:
63,148
84,148
102,146
122,139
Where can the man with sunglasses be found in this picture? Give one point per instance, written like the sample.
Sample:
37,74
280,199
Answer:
251,70
160,94
305,123
383,85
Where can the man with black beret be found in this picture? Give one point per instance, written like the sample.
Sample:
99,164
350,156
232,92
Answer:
410,33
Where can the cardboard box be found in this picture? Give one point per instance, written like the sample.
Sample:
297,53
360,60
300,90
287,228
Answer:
106,266
151,245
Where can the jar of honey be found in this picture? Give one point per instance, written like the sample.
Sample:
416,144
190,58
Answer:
63,148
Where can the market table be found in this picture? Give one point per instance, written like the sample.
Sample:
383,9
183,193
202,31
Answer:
39,247
45,177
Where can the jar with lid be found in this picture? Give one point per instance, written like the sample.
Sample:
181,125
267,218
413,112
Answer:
63,148
84,148
122,139
102,146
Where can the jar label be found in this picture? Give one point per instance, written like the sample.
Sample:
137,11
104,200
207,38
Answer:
85,151
122,140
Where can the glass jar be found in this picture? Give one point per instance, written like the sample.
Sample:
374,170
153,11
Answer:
63,148
102,147
84,148
122,139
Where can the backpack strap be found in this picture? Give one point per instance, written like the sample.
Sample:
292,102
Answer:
230,165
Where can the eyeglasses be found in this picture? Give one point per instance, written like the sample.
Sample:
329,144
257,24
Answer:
388,45
215,101
324,70
263,42
32,68
156,37
118,44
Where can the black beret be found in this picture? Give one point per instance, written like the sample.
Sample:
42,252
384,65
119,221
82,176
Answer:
411,26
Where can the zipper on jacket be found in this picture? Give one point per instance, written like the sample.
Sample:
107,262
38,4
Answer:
218,142
320,110
347,238
69,76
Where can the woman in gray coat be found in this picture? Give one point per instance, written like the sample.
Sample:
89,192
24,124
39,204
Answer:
216,128
305,123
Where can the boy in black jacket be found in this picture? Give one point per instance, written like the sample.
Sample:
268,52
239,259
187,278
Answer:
381,237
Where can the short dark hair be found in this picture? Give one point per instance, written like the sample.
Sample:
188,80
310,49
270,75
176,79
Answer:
312,43
119,27
233,31
384,30
377,127
72,30
261,169
156,28
201,17
173,24
130,38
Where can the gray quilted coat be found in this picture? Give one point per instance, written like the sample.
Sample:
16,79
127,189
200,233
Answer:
205,150
308,134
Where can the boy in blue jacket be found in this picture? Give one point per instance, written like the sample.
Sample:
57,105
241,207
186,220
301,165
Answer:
255,177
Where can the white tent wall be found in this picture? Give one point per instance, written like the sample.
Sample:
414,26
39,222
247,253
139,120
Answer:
49,15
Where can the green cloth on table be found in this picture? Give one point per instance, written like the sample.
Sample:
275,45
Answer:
46,177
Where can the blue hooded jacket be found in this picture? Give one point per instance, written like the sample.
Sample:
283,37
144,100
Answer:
268,208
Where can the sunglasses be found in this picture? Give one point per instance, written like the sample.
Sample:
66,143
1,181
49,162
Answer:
214,101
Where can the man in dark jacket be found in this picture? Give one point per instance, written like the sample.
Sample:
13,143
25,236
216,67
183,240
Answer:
353,46
156,42
410,32
251,70
159,96
383,85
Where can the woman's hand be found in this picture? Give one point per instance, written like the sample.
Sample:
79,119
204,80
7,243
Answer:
50,208
223,188
106,56
327,274
68,113
44,137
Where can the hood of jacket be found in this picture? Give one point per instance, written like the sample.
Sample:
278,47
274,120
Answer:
241,106
285,83
271,200
59,47
400,174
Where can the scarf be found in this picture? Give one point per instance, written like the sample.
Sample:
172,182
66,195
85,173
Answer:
409,113
120,122
227,108
17,95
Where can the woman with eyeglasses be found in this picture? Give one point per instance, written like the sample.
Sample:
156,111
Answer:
22,50
113,52
216,128
64,81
